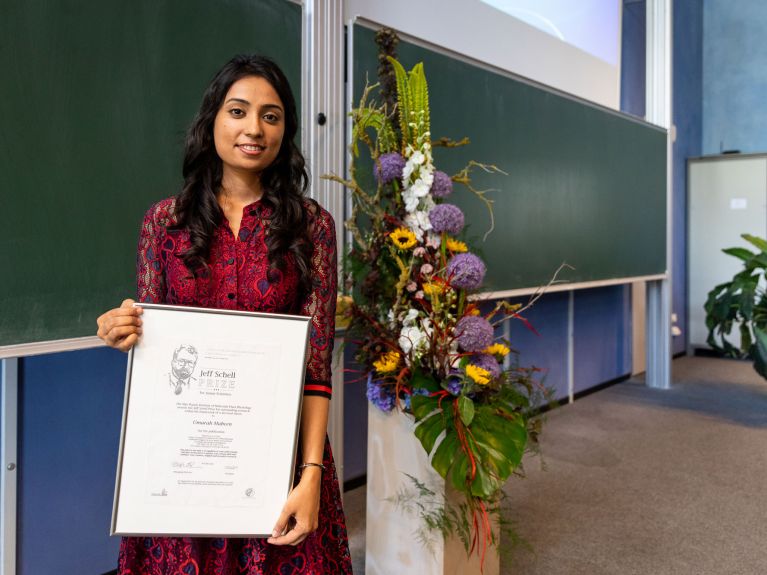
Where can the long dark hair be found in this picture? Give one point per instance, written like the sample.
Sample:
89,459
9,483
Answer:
284,182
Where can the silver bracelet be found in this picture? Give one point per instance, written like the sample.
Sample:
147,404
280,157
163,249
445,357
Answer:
305,465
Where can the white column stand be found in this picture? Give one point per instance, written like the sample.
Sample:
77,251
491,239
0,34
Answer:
392,543
322,131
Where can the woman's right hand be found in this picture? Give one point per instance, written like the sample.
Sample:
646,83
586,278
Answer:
121,327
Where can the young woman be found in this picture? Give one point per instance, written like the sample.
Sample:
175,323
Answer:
241,235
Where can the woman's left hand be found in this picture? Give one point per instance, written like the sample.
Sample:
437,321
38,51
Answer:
303,506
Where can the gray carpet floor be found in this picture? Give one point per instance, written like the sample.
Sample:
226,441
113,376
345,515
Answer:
637,481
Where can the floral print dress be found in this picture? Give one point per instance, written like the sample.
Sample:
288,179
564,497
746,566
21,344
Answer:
239,278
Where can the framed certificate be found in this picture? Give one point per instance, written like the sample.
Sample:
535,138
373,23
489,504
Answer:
210,422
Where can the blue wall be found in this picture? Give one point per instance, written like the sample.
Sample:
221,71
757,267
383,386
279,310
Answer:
70,409
546,348
734,76
687,114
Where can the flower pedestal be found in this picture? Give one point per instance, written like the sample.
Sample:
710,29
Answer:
392,542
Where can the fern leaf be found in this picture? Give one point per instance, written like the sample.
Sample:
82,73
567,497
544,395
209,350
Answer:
420,95
404,103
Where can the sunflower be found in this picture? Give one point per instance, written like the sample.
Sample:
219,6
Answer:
479,375
455,246
387,362
403,238
497,349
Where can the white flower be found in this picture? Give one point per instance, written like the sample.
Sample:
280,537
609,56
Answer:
427,176
410,317
406,339
411,201
433,241
411,221
408,170
426,269
415,338
417,158
424,223
420,188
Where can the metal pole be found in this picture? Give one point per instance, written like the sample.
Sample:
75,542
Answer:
659,15
8,461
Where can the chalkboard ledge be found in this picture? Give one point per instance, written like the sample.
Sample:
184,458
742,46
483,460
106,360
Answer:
565,286
53,346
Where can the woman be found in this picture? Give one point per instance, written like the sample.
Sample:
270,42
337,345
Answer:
241,235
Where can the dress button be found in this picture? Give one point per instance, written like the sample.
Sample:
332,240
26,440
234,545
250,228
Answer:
230,261
230,296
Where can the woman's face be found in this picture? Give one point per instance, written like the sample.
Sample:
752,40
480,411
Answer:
249,126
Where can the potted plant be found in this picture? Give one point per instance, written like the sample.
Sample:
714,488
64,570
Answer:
741,302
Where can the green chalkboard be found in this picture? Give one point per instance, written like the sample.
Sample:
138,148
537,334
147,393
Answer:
585,185
95,102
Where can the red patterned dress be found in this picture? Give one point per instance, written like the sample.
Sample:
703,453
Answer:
240,278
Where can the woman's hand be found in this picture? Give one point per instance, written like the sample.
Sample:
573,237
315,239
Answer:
120,327
303,506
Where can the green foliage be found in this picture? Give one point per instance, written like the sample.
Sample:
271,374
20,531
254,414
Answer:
404,100
443,518
438,516
482,444
466,409
413,103
741,301
372,126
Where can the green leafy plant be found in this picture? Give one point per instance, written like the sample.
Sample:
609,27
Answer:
741,301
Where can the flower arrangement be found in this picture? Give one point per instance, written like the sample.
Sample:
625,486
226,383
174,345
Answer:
426,346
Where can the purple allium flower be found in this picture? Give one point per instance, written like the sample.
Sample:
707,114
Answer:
487,362
474,333
442,186
389,167
379,395
446,218
466,271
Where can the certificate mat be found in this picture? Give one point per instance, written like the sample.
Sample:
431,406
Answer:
210,422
